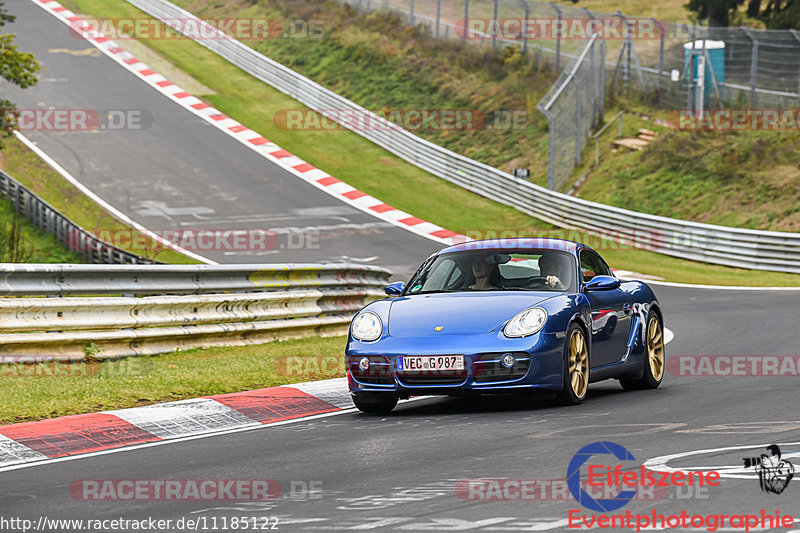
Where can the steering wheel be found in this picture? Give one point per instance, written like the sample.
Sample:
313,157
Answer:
541,280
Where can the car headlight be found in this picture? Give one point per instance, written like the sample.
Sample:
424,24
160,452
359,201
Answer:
367,326
526,323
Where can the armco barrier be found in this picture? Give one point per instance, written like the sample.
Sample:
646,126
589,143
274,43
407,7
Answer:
194,305
48,219
765,250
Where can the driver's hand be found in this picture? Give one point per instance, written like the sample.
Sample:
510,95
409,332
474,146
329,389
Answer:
553,281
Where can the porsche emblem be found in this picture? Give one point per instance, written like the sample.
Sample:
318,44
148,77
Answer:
438,328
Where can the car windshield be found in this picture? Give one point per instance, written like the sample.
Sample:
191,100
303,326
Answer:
492,270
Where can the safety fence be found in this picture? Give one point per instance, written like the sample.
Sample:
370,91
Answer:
51,221
765,250
753,67
111,311
574,108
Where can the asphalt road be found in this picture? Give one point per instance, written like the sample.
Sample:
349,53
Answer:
398,472
179,172
401,472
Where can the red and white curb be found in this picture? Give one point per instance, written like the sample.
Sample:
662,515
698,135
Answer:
269,150
94,432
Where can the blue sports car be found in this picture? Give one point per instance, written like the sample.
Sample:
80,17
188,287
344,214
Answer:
501,316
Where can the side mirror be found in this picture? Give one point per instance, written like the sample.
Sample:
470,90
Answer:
602,283
395,289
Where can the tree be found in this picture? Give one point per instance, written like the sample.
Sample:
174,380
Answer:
718,12
775,14
16,67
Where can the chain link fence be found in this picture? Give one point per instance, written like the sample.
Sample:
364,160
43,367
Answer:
574,108
671,65
756,67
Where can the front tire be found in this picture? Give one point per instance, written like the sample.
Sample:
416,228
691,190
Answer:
375,404
653,371
576,367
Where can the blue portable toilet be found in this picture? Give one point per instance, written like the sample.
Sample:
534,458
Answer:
715,62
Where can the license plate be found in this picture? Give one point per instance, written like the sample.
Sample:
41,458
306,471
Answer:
423,363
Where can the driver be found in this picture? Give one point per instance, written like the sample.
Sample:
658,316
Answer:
551,268
486,274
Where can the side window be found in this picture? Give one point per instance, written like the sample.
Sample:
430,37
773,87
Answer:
443,271
592,265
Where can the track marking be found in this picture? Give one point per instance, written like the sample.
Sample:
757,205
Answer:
253,140
659,464
113,211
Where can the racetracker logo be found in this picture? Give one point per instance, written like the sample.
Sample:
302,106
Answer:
740,120
242,29
225,240
608,28
609,239
734,366
71,120
400,119
175,489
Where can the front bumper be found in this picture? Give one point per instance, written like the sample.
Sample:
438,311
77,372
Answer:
539,364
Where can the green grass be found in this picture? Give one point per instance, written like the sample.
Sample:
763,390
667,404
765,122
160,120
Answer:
26,167
48,390
462,76
37,246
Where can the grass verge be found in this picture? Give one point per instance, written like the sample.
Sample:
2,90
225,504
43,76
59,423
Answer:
39,391
378,173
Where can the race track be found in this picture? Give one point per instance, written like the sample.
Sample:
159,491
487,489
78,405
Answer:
399,472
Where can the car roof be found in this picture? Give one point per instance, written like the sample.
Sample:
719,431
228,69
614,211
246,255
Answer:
533,243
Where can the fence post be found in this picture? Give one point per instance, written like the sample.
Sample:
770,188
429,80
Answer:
525,26
797,38
466,20
494,25
558,36
385,6
627,47
438,16
753,66
578,121
662,27
411,14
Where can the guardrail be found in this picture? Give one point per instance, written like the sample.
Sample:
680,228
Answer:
50,220
765,250
180,306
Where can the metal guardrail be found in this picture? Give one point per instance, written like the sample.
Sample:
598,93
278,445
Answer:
765,250
50,220
196,305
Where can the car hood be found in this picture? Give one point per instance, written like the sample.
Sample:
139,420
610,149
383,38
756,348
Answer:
462,313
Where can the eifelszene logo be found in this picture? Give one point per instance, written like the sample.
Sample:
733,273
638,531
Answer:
774,473
621,483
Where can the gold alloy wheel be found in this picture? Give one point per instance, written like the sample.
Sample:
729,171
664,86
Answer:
655,348
578,364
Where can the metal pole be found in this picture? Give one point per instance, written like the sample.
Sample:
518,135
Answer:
385,6
578,123
661,26
495,25
466,19
797,38
558,36
700,90
753,66
627,47
411,14
603,80
525,26
691,71
438,16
